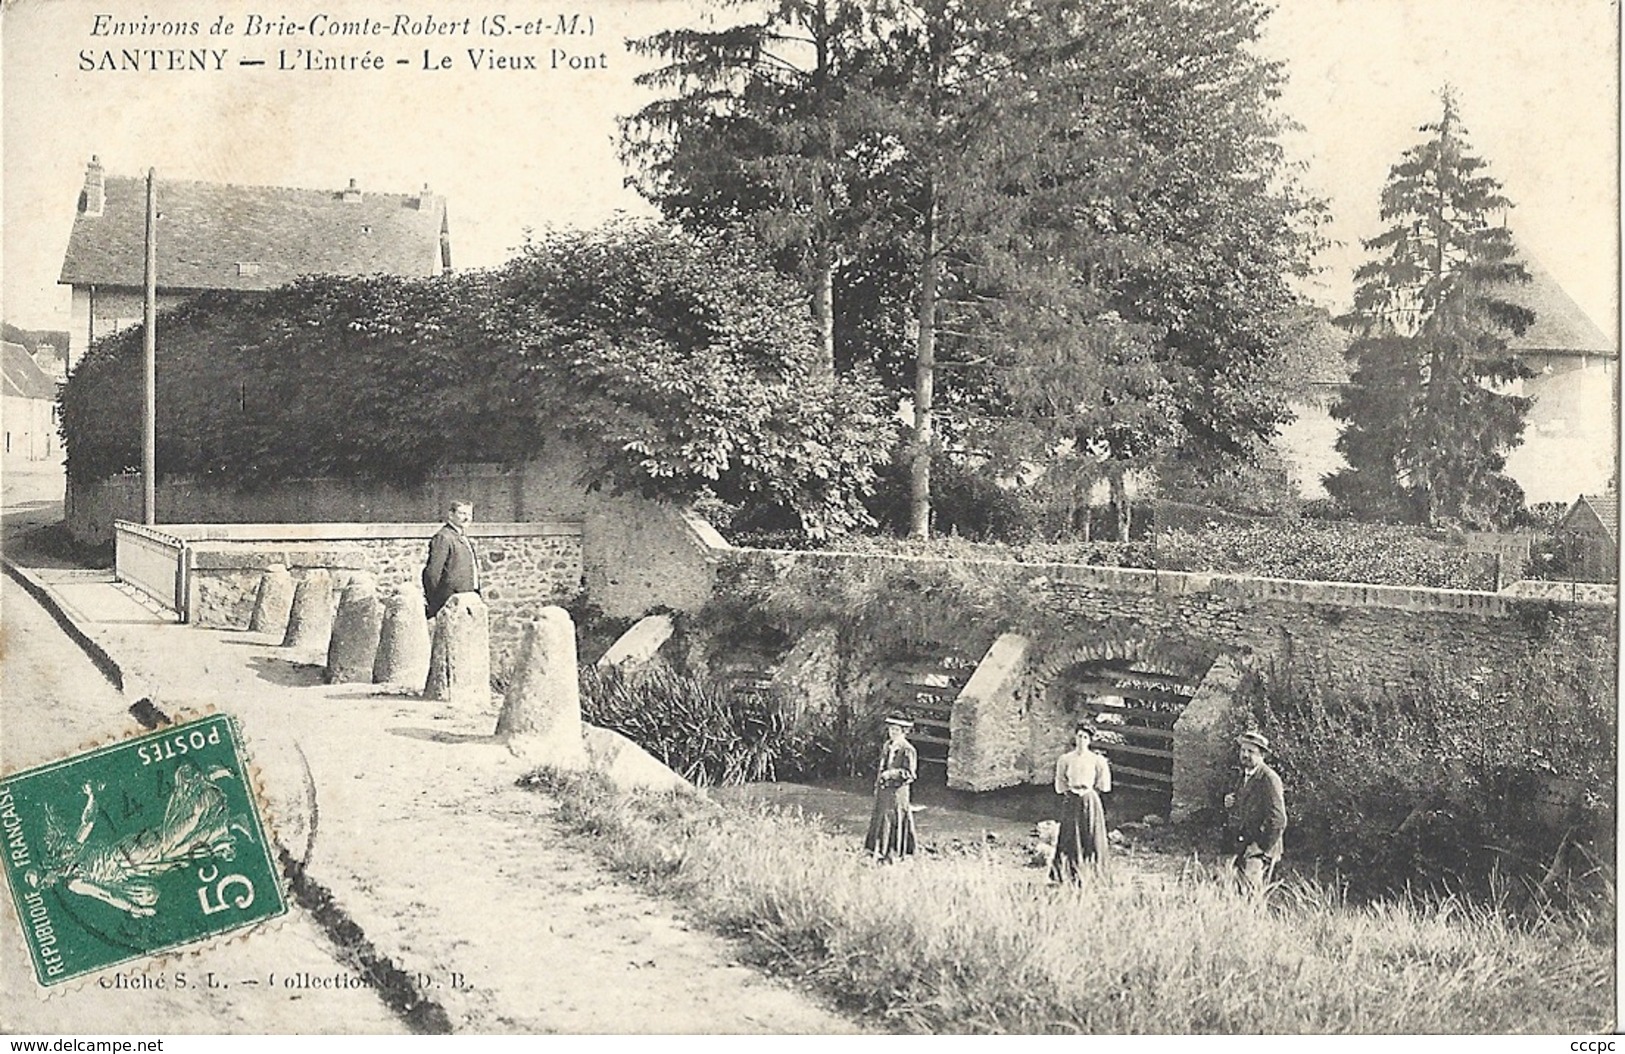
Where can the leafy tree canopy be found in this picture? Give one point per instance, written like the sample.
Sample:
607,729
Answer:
1079,208
677,364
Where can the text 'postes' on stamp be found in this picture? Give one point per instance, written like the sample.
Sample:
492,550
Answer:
137,849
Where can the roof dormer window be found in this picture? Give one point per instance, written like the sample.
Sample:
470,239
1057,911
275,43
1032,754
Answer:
247,270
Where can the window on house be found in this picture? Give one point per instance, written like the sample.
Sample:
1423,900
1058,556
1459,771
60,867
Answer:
246,270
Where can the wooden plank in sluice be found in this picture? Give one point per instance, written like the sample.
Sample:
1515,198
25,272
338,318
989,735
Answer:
1154,702
1147,677
1136,730
1095,706
1146,774
1129,748
1112,681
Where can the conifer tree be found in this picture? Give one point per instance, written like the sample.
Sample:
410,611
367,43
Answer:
1427,420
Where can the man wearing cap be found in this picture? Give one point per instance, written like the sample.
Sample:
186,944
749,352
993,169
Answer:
1257,813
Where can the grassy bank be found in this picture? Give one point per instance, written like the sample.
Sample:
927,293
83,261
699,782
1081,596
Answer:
974,944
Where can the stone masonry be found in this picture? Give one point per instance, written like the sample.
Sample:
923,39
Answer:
524,567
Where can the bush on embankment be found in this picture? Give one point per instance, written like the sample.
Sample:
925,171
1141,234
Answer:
973,943
1458,779
706,731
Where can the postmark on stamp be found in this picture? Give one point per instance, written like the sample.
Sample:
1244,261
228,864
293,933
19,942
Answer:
136,849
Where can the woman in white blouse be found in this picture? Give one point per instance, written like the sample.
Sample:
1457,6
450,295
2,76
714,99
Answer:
1081,777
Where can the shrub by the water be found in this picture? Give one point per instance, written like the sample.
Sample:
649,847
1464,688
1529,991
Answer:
1457,779
708,732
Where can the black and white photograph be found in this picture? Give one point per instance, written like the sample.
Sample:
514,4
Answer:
809,517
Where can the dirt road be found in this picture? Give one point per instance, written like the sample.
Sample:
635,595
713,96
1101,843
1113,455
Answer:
54,701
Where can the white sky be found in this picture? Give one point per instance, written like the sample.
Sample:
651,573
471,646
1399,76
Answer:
1537,79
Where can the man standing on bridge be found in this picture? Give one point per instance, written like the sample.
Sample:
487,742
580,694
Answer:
453,567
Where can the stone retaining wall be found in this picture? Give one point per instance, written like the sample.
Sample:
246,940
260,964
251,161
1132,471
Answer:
635,554
523,566
1382,630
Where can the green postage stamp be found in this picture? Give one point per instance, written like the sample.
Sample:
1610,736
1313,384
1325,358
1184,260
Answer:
136,849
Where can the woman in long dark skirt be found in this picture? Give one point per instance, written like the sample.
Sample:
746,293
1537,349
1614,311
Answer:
1081,777
891,827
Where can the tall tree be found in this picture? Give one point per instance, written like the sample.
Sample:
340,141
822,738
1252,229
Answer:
964,92
754,133
1077,205
1115,225
1427,418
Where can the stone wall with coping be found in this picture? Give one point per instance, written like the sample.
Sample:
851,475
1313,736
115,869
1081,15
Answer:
523,566
1564,592
1380,630
636,554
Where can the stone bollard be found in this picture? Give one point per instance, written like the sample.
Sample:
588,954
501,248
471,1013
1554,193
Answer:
341,581
354,644
403,643
639,645
460,654
541,713
272,601
310,622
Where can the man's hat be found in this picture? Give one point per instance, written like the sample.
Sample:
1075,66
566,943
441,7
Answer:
1257,739
900,721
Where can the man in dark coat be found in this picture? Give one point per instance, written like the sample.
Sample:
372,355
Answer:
452,567
1258,814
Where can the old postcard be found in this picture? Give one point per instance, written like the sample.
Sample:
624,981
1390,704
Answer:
808,516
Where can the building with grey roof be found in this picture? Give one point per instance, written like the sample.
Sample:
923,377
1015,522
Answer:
227,236
27,407
1571,435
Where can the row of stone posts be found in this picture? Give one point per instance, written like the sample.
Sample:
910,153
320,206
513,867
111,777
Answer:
366,639
391,643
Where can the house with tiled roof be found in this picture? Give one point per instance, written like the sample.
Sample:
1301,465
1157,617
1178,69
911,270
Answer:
1571,434
27,407
228,236
1588,536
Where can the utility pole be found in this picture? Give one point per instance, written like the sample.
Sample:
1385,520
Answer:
149,431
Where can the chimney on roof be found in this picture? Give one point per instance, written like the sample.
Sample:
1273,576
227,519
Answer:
352,192
93,199
425,199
